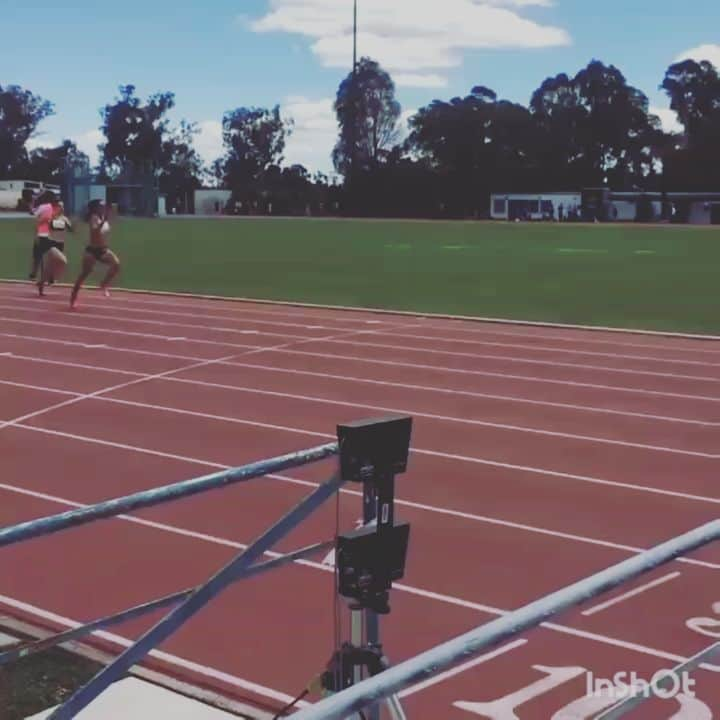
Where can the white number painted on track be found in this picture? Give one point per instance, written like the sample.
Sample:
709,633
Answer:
710,627
585,708
504,708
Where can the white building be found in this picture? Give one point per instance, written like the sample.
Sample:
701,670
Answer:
694,208
211,201
12,192
534,206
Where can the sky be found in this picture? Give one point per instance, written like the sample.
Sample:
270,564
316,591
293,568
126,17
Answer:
220,54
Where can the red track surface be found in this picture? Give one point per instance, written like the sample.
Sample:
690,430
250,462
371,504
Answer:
539,456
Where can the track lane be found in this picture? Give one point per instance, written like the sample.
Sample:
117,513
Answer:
415,378
233,310
665,513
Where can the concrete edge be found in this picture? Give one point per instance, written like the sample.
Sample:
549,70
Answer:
207,697
403,313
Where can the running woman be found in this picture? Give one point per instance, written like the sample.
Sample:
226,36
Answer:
58,227
97,250
48,252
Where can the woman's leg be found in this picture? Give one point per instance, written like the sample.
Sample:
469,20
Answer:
58,264
111,260
88,264
36,259
52,279
53,266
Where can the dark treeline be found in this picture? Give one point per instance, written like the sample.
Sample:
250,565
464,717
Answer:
592,129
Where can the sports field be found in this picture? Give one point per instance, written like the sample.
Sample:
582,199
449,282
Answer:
659,278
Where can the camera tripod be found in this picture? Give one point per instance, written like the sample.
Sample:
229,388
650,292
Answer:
362,656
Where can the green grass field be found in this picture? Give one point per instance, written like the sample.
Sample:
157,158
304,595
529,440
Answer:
660,278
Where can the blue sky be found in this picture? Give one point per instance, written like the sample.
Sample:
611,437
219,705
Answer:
220,54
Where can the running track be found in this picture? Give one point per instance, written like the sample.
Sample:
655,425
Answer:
540,456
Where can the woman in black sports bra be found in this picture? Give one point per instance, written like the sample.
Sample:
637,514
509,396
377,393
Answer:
97,251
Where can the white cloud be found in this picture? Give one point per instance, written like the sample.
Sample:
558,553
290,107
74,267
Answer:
414,40
314,134
404,123
88,143
41,140
702,52
209,142
418,80
668,118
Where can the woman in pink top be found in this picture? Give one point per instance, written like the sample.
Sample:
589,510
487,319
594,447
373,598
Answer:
49,253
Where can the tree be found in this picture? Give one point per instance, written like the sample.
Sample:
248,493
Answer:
597,130
134,131
558,112
368,115
180,166
619,136
477,144
694,92
21,112
49,164
254,140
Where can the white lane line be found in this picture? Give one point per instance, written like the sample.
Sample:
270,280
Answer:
299,309
567,476
135,304
545,349
174,660
79,366
235,318
166,324
419,687
464,393
99,395
533,348
447,418
40,388
127,333
125,446
239,313
460,458
632,593
245,316
285,428
505,376
383,383
526,361
113,348
394,364
418,592
568,338
403,503
383,346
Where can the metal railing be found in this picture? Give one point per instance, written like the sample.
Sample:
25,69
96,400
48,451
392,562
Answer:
372,691
186,603
367,693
